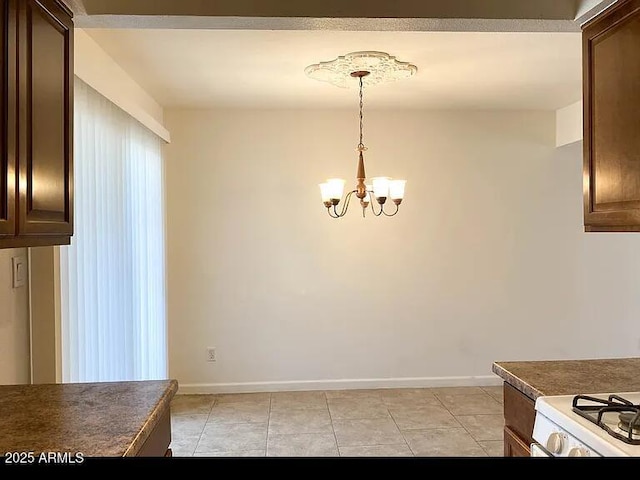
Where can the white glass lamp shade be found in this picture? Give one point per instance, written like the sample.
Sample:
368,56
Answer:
336,187
331,191
380,188
325,192
396,190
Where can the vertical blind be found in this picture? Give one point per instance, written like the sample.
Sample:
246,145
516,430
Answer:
113,273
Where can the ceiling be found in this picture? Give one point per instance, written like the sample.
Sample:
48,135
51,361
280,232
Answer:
265,68
169,13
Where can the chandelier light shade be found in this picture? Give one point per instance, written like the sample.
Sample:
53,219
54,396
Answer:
368,68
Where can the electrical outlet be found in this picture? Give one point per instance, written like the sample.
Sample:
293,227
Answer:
211,354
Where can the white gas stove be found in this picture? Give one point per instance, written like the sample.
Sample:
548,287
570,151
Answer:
587,425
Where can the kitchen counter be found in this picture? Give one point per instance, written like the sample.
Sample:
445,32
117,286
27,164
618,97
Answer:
96,419
571,377
524,382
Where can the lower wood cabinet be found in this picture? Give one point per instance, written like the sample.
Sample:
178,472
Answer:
157,444
514,446
519,417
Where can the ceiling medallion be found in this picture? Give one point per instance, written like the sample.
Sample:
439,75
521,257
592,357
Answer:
365,68
381,66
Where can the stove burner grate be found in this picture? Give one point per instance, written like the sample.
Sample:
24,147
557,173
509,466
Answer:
597,407
629,421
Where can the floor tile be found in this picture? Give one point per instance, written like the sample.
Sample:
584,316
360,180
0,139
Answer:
473,404
183,447
232,437
237,453
428,416
239,412
371,431
411,398
406,392
495,392
356,393
298,400
352,408
300,421
408,403
400,450
443,442
483,427
262,397
192,404
186,426
457,390
302,445
494,448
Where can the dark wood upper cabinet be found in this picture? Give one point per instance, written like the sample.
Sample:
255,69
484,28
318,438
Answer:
46,116
7,120
36,200
611,90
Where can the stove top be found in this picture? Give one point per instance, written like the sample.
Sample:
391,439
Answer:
594,420
616,415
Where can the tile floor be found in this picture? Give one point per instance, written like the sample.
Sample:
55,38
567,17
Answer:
452,421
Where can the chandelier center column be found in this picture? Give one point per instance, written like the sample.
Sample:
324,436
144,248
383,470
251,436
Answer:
361,188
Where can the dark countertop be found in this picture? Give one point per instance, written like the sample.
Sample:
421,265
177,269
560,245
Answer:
571,377
98,419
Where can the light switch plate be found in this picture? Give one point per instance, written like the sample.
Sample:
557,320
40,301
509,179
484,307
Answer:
19,271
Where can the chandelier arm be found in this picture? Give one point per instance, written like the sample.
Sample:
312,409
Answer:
390,214
331,214
373,208
345,205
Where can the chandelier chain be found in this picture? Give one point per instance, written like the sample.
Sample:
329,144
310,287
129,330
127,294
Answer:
361,145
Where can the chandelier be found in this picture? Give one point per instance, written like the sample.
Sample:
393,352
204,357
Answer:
368,68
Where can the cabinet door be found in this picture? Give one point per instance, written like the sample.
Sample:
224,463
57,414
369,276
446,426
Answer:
8,42
158,441
611,55
45,45
514,446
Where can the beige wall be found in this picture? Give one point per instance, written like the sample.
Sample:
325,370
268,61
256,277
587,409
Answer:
569,124
486,261
14,324
45,313
96,68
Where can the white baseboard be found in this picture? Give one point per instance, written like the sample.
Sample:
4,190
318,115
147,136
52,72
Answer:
343,384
